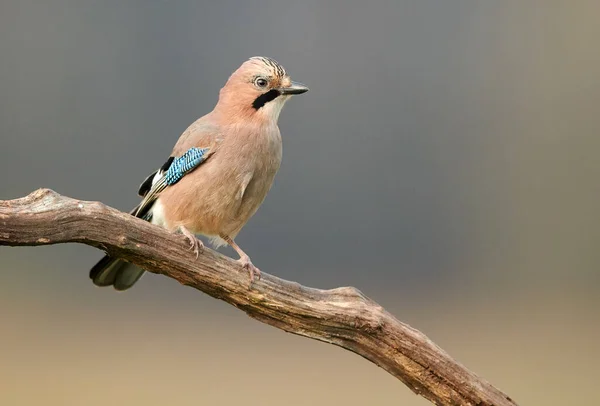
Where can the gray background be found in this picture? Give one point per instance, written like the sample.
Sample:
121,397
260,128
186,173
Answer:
445,162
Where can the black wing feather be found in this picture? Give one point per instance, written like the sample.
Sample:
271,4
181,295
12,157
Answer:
147,183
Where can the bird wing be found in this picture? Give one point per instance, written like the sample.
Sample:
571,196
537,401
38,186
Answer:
194,147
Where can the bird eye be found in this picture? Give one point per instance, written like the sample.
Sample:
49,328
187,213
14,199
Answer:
261,82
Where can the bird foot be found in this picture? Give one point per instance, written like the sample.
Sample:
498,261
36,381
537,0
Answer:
248,265
195,244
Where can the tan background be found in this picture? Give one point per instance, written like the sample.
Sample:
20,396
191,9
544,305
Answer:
455,142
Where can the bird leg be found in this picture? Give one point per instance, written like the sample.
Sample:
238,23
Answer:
244,259
195,244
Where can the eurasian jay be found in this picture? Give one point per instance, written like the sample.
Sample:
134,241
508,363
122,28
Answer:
220,170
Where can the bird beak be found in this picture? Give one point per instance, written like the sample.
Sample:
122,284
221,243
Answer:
294,88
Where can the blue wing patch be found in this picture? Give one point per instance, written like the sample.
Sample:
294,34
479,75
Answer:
185,164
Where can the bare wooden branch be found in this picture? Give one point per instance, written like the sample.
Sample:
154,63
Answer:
342,316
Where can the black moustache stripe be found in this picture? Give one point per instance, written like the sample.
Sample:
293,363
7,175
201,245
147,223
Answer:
264,98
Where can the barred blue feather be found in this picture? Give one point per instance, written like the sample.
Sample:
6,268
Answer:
184,164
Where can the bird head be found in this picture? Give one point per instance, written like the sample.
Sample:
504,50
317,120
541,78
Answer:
258,90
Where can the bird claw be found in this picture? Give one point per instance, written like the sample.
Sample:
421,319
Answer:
195,244
252,270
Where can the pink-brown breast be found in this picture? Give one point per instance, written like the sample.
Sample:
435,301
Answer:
220,196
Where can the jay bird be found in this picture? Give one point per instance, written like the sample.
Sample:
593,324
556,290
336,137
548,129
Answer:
220,170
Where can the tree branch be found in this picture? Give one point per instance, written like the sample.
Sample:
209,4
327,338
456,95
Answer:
342,316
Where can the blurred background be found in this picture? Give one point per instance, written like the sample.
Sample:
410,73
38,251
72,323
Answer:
445,162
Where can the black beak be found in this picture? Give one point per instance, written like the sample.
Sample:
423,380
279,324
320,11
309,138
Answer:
294,88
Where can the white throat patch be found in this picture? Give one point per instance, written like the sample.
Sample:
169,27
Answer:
273,108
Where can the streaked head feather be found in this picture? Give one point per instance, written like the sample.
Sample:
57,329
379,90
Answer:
237,98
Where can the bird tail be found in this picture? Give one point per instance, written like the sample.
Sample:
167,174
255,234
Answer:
117,272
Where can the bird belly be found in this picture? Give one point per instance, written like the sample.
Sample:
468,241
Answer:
250,199
219,197
200,211
213,210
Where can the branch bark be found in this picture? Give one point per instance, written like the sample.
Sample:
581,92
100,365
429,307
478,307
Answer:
342,316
